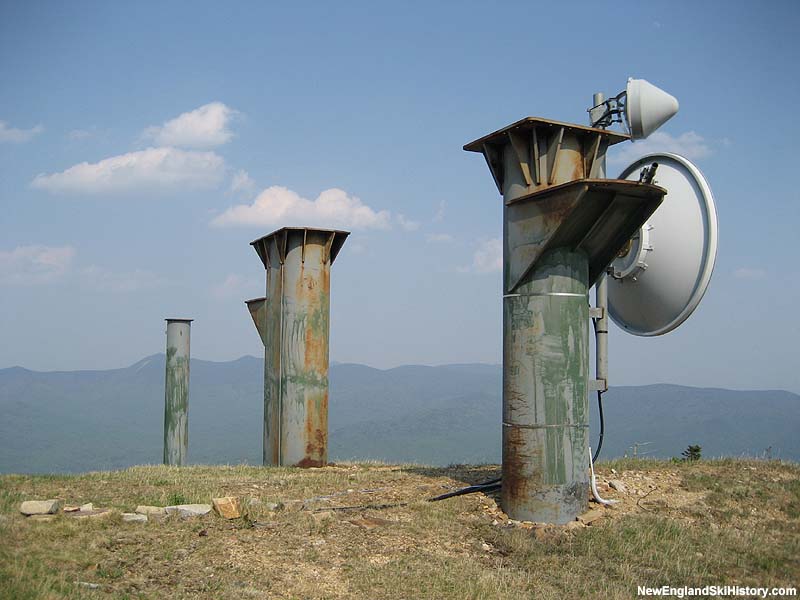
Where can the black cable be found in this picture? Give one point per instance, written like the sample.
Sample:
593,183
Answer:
472,489
602,426
491,481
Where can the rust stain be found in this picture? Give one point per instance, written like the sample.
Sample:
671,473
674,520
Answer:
315,290
570,165
515,483
555,211
316,431
316,352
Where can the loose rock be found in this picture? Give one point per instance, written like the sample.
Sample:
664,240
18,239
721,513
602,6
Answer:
188,510
591,516
227,507
155,511
134,518
616,484
86,584
573,525
40,507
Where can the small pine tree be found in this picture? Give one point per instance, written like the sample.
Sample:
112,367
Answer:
692,453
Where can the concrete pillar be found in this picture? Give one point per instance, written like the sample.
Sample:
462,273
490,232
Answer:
295,331
176,396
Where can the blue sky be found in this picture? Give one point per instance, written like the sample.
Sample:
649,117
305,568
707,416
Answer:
129,132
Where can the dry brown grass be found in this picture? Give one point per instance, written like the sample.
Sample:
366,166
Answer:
714,522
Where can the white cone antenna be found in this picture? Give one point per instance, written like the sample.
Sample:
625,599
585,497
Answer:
647,107
665,270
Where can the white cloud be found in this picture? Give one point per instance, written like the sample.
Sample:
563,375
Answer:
12,134
103,280
237,286
80,134
407,224
241,183
151,168
40,265
281,206
488,257
204,127
34,265
749,273
440,238
690,144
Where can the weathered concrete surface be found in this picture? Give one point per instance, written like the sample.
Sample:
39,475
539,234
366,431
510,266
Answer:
40,507
134,518
188,510
545,380
176,393
144,509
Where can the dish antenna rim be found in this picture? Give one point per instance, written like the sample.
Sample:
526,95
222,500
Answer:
710,242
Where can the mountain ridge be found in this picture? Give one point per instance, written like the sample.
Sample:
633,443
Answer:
100,419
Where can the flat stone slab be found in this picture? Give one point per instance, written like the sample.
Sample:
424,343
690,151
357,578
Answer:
156,511
227,507
134,518
616,484
188,510
40,507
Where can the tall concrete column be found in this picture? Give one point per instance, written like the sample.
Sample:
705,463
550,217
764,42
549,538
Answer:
545,401
563,224
176,395
295,329
545,365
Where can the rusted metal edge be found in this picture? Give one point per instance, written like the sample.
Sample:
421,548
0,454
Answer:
279,238
600,242
523,156
528,123
537,176
554,152
581,188
630,187
255,307
339,238
490,155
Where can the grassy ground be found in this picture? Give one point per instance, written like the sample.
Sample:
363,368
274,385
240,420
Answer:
706,523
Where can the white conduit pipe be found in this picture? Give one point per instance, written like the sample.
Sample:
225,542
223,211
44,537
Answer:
594,484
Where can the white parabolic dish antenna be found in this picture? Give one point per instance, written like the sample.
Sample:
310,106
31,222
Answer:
662,277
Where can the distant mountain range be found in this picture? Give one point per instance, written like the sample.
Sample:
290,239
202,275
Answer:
90,420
